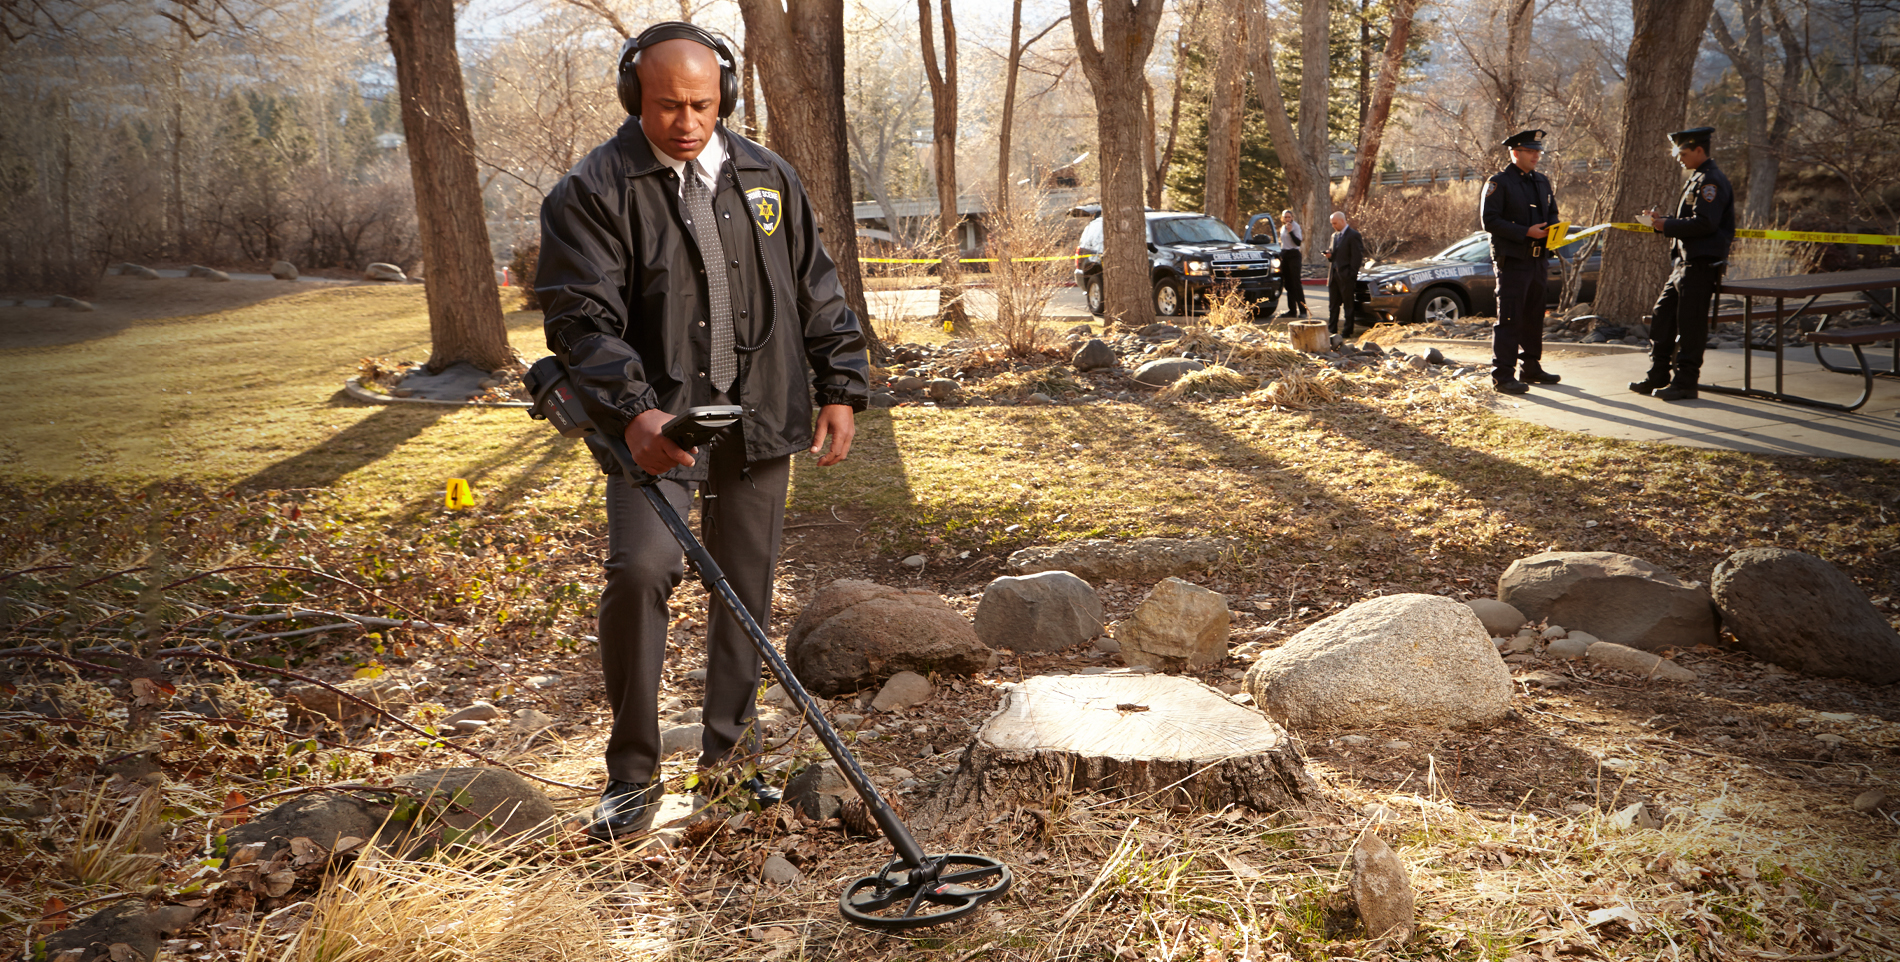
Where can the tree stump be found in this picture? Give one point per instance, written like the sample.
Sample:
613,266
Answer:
1309,336
1162,738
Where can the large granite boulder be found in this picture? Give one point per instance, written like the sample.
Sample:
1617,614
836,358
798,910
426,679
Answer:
1613,596
857,633
1800,612
1179,625
380,271
1097,560
1046,611
1410,659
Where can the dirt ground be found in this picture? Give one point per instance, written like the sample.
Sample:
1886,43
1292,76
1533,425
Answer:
121,302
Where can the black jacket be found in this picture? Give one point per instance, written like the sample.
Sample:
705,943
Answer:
1349,253
1704,225
626,306
1514,201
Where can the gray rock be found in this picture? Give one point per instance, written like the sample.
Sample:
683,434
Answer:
139,271
1046,611
1606,654
384,272
1093,356
1553,633
130,923
1546,679
697,674
389,691
847,722
914,561
1415,363
883,399
906,689
212,275
1159,331
283,270
1163,371
1615,597
1104,643
197,270
1097,560
817,791
1039,399
941,388
680,739
1410,659
1520,643
1434,356
1179,625
1571,647
1798,611
908,383
1870,800
499,802
1381,890
777,871
856,633
476,711
693,716
1354,741
543,681
469,726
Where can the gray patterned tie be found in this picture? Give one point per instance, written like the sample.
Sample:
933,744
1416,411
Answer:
699,215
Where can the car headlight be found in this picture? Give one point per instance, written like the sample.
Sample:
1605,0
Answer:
1276,263
1397,287
1196,267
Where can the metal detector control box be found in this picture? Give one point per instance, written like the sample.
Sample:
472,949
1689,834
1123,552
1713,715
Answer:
701,424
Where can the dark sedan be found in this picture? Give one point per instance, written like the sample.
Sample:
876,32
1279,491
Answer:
1457,282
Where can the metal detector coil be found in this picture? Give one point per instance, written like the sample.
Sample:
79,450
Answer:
911,891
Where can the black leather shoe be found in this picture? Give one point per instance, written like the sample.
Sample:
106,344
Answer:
1674,393
752,791
764,794
1648,384
1539,376
1509,386
625,809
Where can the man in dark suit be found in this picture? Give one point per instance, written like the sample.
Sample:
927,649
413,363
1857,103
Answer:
1700,235
1518,208
1345,256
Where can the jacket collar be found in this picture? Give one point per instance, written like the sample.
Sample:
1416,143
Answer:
634,146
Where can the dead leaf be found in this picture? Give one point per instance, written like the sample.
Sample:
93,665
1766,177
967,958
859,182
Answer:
54,915
276,884
1616,913
147,693
121,952
246,854
1239,868
774,933
348,843
237,809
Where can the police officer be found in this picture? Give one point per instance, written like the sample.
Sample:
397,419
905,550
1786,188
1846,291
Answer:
1700,233
1518,208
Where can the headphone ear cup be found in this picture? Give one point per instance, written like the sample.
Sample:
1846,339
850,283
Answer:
628,86
728,91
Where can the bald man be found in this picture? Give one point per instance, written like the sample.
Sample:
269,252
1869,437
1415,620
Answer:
681,266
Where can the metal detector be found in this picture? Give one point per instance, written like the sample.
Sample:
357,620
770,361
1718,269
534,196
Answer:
912,890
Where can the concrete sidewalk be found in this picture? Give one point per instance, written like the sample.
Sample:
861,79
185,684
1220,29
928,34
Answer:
1595,398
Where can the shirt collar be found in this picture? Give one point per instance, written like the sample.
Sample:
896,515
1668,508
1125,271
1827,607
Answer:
710,160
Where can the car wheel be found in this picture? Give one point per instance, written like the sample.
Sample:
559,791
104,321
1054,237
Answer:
1440,305
1168,300
1092,290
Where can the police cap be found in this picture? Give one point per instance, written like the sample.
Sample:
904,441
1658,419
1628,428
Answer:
1693,137
1527,139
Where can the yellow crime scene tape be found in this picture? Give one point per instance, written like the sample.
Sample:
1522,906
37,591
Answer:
1560,235
961,260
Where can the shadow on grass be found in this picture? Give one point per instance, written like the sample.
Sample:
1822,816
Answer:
369,440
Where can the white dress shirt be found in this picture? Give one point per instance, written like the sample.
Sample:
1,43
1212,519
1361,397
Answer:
710,160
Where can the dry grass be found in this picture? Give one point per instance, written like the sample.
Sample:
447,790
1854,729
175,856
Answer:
1215,381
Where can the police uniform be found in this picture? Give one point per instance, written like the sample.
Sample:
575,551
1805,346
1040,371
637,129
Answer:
1514,201
1700,234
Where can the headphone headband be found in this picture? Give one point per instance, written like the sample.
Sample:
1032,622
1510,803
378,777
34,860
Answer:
676,30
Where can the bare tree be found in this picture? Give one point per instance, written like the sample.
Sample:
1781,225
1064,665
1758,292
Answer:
1160,158
1509,75
943,138
1006,267
1303,152
464,302
1661,55
1767,137
1227,101
801,67
1372,131
1116,68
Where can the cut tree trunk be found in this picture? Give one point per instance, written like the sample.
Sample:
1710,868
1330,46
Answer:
1309,336
464,301
1156,739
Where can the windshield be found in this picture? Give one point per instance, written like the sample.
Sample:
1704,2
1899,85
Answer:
1191,230
1477,247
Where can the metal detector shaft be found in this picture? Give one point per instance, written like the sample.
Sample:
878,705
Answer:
715,582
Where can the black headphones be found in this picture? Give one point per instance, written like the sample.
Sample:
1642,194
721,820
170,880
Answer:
628,84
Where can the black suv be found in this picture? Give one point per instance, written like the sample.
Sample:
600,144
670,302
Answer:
1187,255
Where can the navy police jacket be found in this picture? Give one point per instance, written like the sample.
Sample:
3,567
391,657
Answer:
1704,224
1513,201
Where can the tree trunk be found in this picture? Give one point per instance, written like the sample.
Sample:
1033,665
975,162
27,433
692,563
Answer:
1765,137
1315,49
1116,69
1160,162
943,100
801,66
1661,54
1510,75
1226,112
464,302
1305,174
1163,739
749,92
1373,130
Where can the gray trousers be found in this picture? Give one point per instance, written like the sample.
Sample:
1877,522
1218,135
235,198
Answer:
742,520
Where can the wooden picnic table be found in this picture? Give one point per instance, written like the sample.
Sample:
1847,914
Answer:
1808,288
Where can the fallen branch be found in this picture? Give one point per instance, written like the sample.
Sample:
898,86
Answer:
309,571
48,917
40,651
